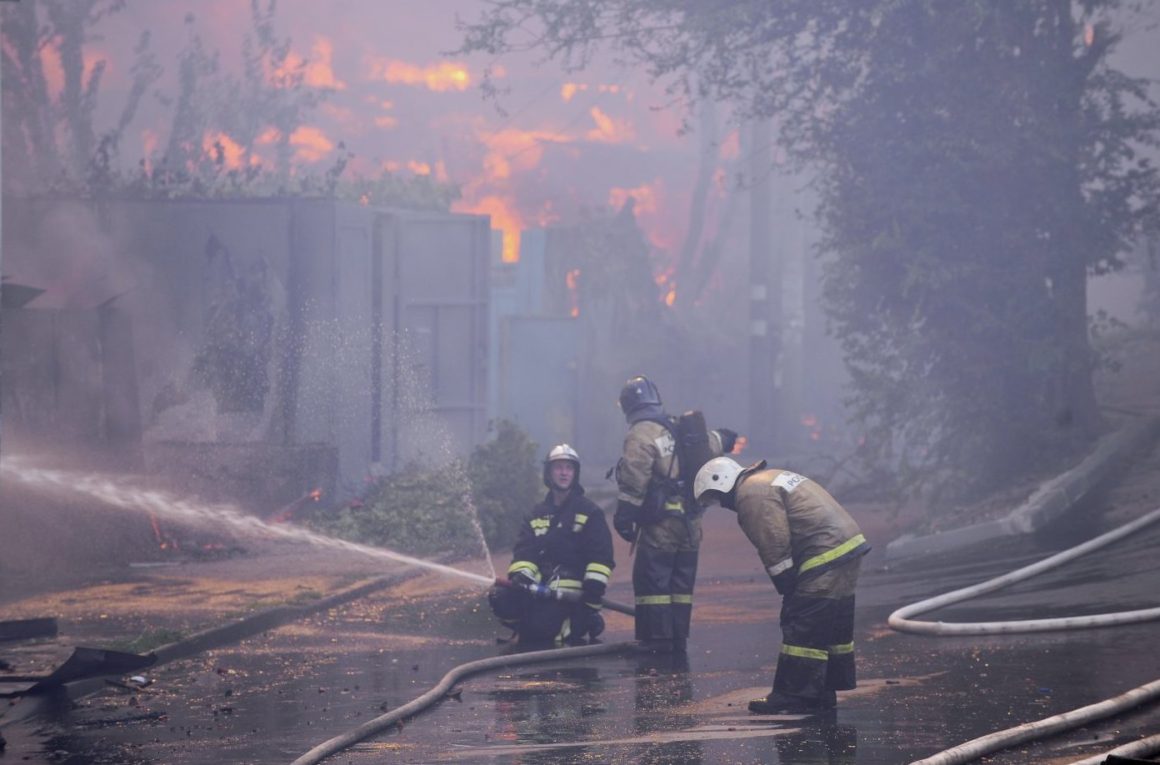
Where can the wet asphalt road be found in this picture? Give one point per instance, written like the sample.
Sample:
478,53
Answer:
272,698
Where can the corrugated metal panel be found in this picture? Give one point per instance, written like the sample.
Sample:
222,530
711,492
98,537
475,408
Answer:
438,277
539,389
338,282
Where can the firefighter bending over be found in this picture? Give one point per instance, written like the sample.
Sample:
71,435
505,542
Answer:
656,512
812,550
561,562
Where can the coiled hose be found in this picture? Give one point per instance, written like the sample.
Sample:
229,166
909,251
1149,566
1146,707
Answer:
395,716
971,750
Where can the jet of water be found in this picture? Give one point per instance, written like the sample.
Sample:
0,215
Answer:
163,504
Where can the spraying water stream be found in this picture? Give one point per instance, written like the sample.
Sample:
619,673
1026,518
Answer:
120,495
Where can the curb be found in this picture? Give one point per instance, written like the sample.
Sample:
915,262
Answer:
1052,499
214,637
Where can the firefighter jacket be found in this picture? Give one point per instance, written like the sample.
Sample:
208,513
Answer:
650,462
799,530
571,541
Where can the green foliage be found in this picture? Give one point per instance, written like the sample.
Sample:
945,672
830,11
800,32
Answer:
505,481
414,511
419,511
976,160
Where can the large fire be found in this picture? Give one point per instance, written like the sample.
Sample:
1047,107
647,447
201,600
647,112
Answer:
379,87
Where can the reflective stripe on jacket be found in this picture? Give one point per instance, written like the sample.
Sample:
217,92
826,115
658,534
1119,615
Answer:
795,524
574,538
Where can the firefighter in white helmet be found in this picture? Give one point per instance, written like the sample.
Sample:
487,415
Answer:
563,545
655,511
812,550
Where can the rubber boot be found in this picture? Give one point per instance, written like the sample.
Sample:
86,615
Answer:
781,704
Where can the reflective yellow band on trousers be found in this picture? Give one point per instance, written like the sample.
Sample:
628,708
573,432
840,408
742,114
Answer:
830,555
841,648
683,599
599,568
567,584
804,653
654,600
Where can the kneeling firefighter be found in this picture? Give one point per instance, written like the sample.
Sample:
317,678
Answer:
812,550
561,562
657,513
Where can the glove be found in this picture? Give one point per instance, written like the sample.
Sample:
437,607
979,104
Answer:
593,590
520,579
728,439
624,521
785,582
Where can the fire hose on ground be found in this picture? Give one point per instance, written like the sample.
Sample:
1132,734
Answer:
396,716
971,750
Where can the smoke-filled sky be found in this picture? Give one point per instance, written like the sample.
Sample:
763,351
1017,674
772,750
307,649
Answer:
562,141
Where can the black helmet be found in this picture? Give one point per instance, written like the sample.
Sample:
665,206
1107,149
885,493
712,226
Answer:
637,392
561,452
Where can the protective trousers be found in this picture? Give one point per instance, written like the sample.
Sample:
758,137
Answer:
817,633
541,621
663,577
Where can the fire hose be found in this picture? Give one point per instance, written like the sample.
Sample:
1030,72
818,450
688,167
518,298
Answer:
976,748
396,716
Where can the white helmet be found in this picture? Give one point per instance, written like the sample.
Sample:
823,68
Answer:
561,452
718,474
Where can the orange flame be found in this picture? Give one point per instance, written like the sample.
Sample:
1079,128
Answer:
232,153
508,151
649,199
569,90
665,279
445,75
150,140
311,143
644,196
609,130
319,70
504,218
572,282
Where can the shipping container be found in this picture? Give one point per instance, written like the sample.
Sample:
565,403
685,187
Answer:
281,322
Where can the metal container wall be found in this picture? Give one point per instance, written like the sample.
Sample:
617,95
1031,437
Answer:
335,323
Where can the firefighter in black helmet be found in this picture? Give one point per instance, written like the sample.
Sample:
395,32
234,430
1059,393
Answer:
653,513
564,545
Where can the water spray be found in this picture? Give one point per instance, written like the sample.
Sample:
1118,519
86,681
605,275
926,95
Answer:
170,506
